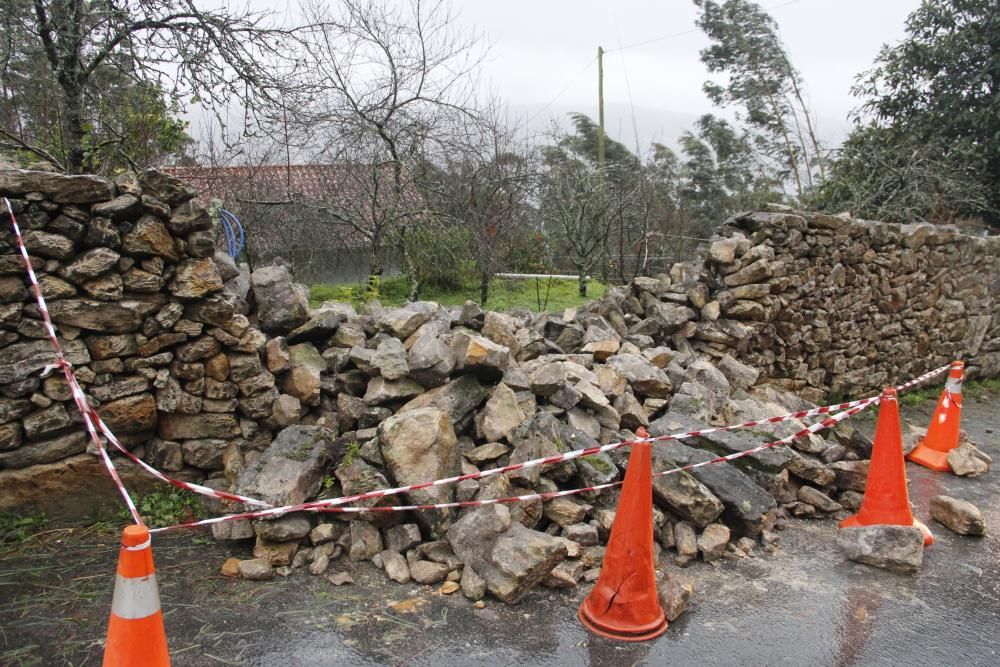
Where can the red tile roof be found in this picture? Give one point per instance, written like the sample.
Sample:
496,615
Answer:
272,182
340,186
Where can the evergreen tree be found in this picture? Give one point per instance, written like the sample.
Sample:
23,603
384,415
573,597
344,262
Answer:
764,87
927,141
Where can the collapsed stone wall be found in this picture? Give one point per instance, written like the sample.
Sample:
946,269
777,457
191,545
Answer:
153,320
824,304
211,374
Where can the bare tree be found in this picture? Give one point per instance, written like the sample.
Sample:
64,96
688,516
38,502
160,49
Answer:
212,56
481,184
575,211
382,79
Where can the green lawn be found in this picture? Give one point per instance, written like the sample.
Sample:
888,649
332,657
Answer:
505,294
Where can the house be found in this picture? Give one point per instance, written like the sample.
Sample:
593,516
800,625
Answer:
317,217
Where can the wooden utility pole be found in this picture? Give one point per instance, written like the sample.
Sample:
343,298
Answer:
600,109
600,155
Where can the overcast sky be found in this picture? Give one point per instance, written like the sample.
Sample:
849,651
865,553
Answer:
542,59
541,50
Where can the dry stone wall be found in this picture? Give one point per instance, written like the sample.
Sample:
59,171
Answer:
153,320
824,304
199,367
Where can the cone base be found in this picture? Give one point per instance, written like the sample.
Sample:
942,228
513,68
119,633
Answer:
136,641
855,522
639,634
929,458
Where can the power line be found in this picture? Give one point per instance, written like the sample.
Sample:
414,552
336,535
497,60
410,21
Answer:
628,87
562,92
688,32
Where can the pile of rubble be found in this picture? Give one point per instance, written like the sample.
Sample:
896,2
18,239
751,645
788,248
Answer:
397,396
230,379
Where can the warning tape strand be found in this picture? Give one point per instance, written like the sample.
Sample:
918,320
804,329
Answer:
848,408
63,363
559,458
91,419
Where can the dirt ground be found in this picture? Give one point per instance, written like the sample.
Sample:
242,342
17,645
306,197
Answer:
804,604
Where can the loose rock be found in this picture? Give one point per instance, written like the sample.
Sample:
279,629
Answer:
959,516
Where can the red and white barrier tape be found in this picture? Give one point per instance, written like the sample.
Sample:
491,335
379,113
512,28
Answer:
849,408
568,456
91,419
323,504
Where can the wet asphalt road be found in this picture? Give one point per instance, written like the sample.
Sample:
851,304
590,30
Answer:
803,605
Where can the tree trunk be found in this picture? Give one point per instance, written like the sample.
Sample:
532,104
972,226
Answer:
409,268
484,288
374,272
582,278
74,129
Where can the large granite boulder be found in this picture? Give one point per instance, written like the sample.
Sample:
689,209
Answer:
896,548
281,307
748,508
291,469
457,399
420,446
510,558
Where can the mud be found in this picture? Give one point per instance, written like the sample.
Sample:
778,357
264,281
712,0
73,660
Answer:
802,605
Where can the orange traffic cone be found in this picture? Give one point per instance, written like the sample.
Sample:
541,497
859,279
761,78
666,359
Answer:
942,434
135,632
624,604
887,499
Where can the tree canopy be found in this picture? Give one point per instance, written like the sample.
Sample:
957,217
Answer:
927,141
98,59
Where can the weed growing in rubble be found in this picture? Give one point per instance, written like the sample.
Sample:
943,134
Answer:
15,529
351,452
165,508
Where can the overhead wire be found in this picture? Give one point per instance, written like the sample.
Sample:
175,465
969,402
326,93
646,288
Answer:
654,40
561,92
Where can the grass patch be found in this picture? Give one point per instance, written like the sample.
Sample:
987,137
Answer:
981,388
166,508
505,294
15,528
974,389
915,397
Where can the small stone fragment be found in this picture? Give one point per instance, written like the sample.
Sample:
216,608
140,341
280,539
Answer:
340,578
396,567
426,572
256,569
712,542
319,565
967,460
675,595
231,568
473,586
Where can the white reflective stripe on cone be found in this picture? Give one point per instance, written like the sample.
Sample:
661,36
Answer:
954,386
135,598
